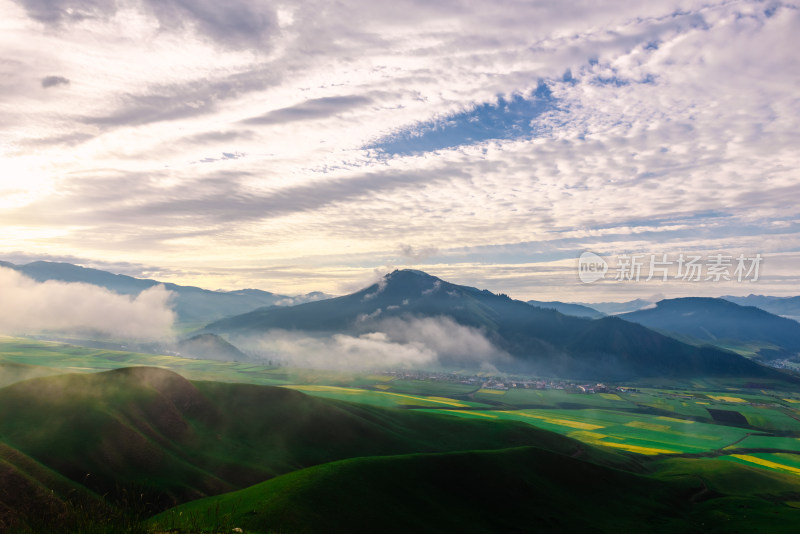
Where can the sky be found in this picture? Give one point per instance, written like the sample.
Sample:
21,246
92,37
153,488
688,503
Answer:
305,146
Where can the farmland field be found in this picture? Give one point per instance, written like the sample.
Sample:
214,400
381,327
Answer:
779,462
712,418
380,397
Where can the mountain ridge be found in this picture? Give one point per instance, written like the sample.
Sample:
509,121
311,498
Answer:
716,320
541,341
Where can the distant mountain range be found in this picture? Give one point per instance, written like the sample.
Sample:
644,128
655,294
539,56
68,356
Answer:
575,310
192,304
721,322
784,306
537,336
615,308
541,341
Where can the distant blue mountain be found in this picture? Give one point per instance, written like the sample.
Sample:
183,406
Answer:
783,306
541,341
615,308
720,321
192,304
575,310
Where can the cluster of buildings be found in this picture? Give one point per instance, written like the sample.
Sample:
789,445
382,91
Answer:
504,382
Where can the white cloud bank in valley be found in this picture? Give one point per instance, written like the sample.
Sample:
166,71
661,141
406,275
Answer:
27,306
395,342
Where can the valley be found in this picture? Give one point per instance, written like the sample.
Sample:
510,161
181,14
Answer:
670,435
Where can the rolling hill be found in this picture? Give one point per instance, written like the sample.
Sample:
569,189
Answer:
540,341
209,347
512,490
169,440
718,321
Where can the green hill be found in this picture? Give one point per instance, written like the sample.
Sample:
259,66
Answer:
153,432
31,494
513,490
209,347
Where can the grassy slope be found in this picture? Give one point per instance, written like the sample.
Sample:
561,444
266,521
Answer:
11,372
39,358
512,490
739,498
518,490
29,491
152,431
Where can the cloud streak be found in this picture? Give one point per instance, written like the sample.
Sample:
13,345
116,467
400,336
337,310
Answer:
318,108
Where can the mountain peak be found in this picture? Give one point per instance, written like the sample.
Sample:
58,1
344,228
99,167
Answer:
403,283
408,273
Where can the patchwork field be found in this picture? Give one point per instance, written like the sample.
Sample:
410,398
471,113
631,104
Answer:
645,434
788,463
749,425
382,397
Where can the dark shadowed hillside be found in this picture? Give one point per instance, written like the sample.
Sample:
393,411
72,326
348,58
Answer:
512,490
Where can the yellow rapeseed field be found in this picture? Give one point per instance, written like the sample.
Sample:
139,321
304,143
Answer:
439,400
337,389
673,419
558,421
490,416
649,426
766,463
725,398
598,439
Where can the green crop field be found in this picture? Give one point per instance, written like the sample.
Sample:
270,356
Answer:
770,442
626,431
717,433
382,398
787,463
428,387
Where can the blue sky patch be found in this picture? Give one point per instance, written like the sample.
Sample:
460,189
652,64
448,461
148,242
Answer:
506,119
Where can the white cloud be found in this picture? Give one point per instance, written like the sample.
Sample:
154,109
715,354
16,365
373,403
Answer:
688,108
412,343
27,306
